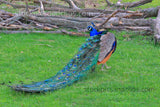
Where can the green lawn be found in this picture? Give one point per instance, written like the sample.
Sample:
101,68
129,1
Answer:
133,79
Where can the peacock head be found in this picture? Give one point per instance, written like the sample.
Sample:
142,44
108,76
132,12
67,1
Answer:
90,28
93,30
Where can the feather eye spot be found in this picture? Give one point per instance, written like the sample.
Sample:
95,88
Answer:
78,56
66,67
68,74
80,49
64,83
70,64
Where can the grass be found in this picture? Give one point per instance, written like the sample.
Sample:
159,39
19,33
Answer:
133,79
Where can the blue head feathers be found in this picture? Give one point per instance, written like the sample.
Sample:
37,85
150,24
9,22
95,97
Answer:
92,30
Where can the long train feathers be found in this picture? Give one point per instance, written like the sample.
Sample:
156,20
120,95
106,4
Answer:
77,67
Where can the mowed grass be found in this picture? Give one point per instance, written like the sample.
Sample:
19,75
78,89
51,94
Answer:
133,79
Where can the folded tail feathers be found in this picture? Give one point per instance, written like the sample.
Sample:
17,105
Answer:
77,67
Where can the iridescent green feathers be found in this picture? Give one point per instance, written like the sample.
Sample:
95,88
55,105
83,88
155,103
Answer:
76,68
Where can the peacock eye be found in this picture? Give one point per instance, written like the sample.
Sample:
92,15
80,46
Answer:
90,29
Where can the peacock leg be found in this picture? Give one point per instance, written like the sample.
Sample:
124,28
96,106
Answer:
102,67
93,68
107,67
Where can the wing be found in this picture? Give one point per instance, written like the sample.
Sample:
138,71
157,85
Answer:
107,47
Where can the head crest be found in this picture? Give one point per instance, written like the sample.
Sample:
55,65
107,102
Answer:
93,24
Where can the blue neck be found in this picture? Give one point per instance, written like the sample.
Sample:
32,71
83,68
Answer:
95,32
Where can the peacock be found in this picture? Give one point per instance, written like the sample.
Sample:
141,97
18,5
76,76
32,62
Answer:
79,66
